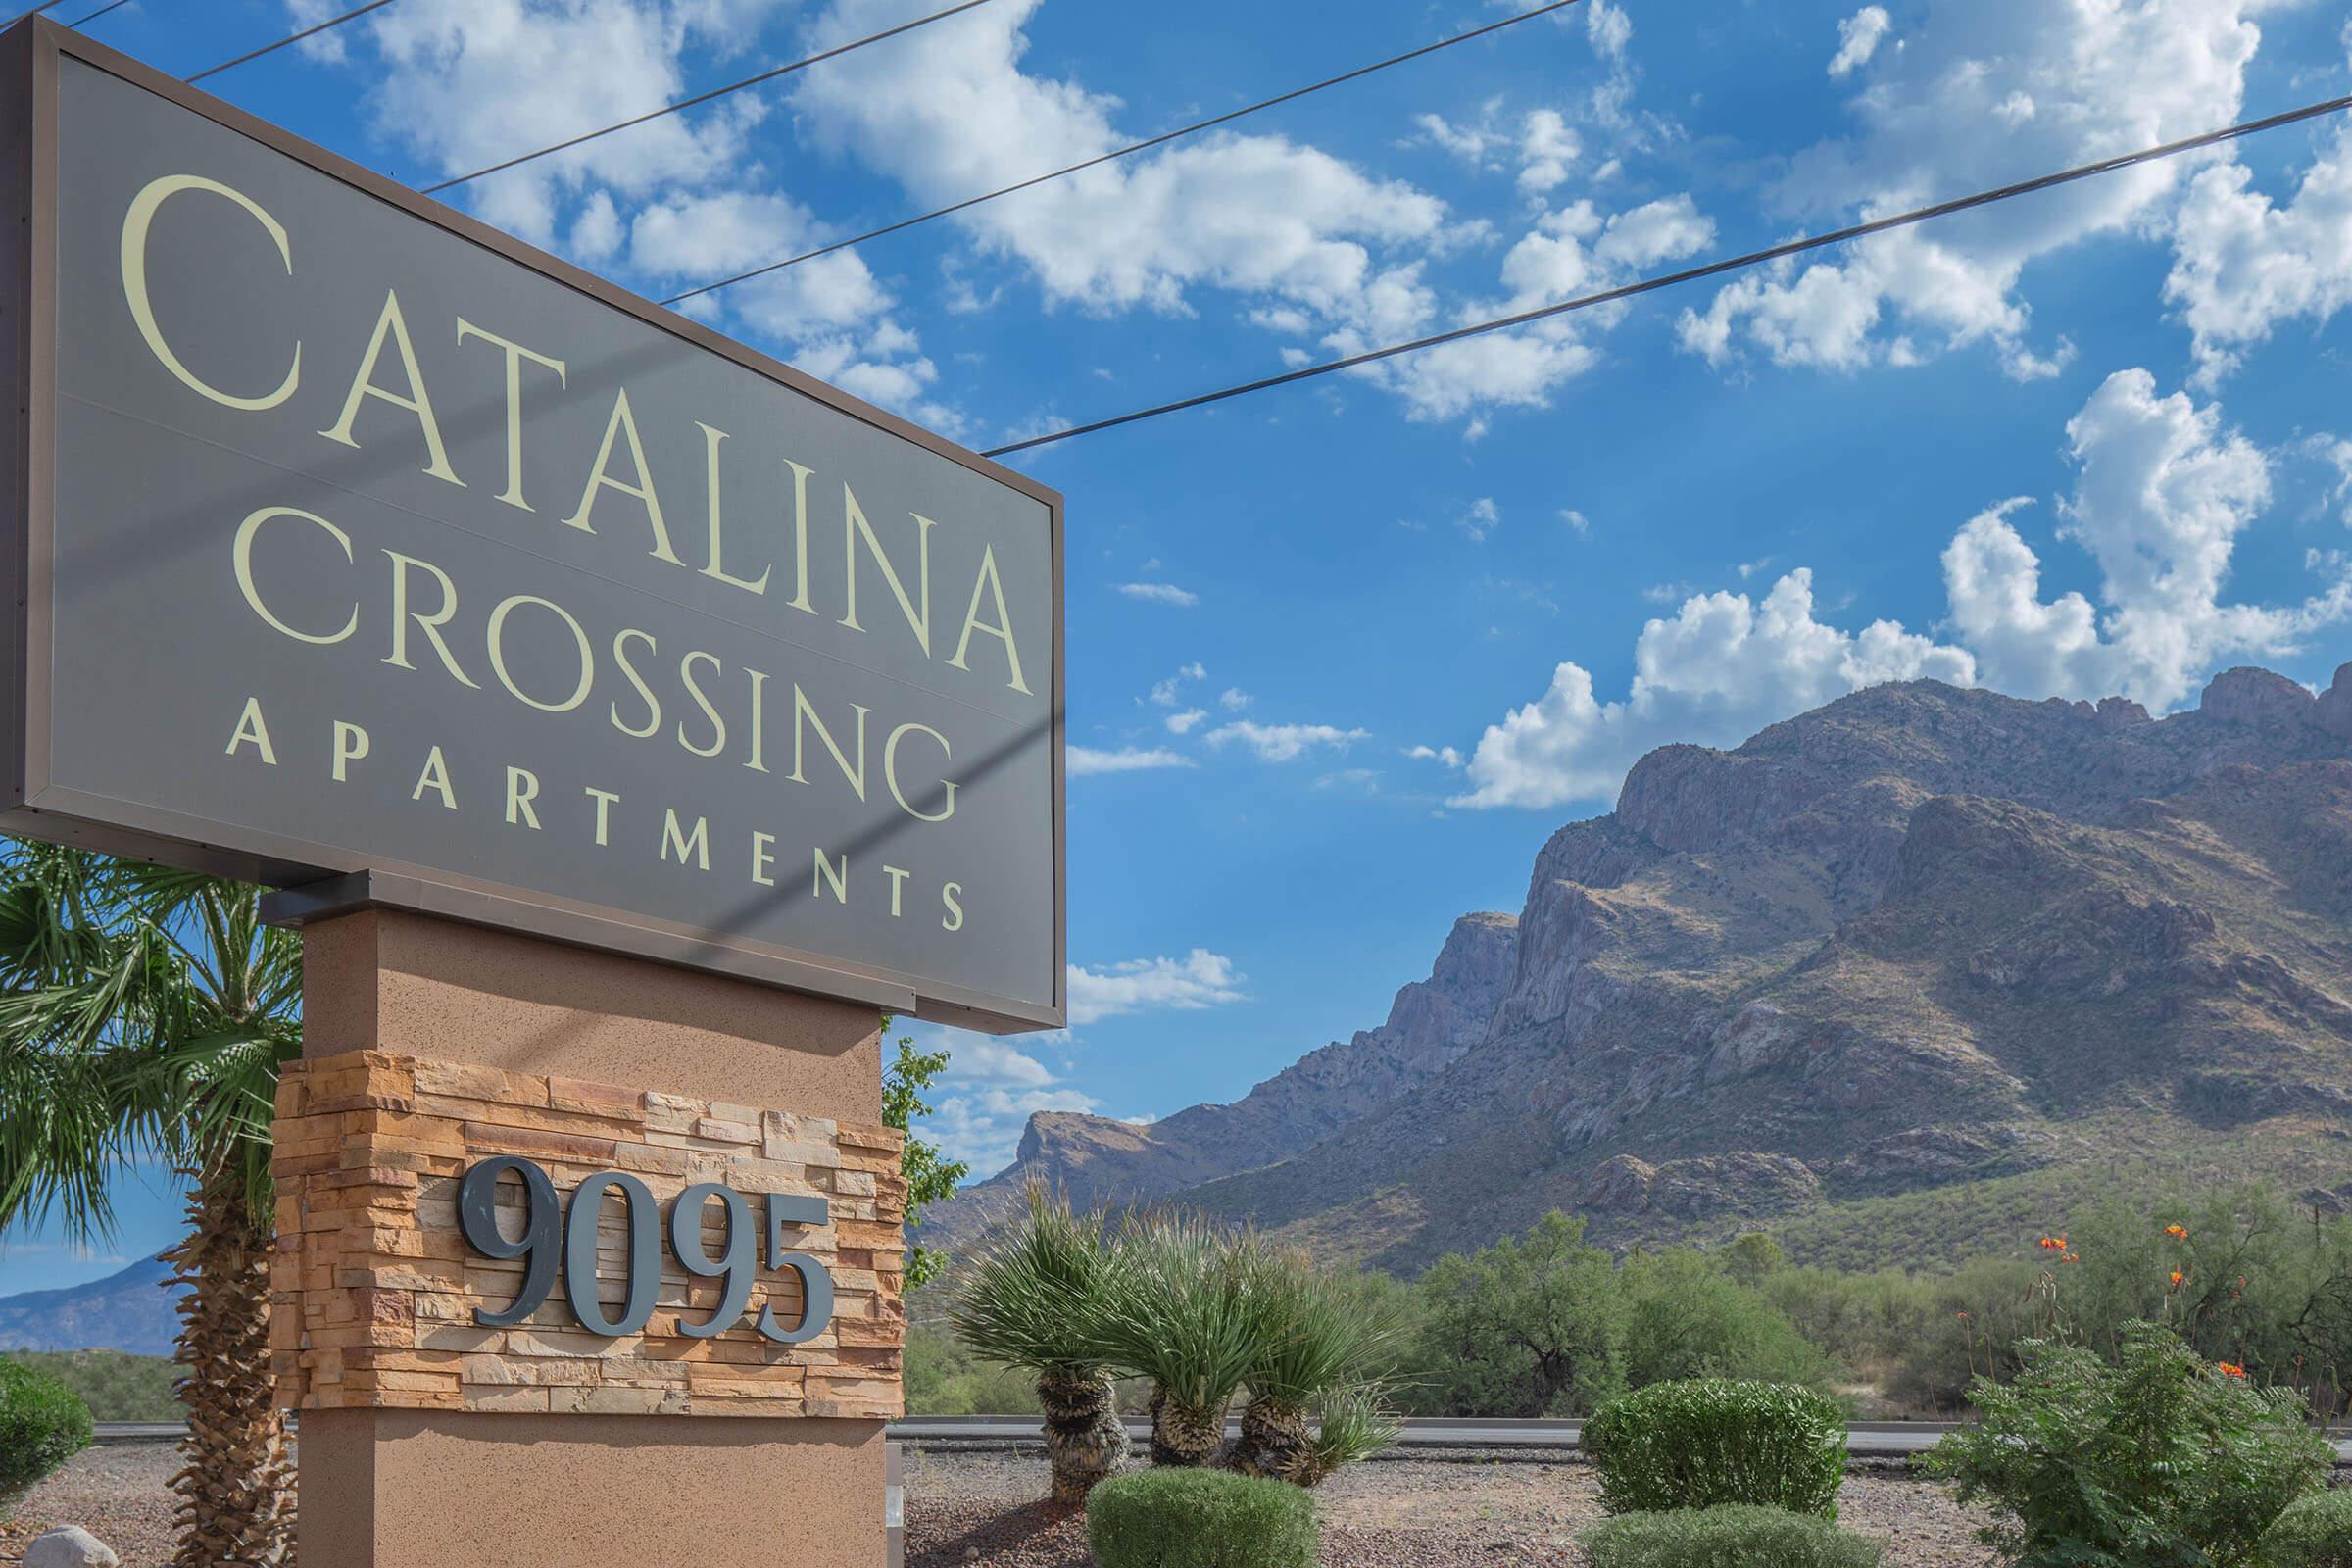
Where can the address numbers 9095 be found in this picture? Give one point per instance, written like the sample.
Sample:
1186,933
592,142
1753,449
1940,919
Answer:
550,1236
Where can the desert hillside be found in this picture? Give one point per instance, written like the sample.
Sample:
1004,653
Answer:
1918,960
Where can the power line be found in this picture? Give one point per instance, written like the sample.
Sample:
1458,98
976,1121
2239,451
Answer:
715,92
1650,285
35,11
110,5
270,48
1135,147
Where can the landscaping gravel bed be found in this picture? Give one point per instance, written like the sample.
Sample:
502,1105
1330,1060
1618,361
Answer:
120,1493
981,1510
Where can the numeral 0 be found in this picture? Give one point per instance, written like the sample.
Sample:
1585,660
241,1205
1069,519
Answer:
546,1228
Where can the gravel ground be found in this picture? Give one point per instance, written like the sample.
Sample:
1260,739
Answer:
121,1493
981,1510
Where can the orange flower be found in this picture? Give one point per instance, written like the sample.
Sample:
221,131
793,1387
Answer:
2070,1258
2179,1276
2230,1369
2178,1233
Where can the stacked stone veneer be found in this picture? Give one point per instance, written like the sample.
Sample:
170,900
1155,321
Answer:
375,1288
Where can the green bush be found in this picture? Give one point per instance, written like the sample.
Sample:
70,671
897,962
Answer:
1730,1536
42,1424
115,1385
2315,1533
1711,1442
1169,1518
2161,1461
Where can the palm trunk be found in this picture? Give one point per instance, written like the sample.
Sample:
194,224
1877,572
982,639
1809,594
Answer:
1275,1442
1084,1435
237,1493
1183,1436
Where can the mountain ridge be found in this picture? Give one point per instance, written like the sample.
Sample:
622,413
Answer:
1825,967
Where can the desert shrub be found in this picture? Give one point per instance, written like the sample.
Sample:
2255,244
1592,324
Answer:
1031,1302
115,1385
1199,1519
1325,1347
1735,1536
42,1424
1181,1309
944,1377
1522,1327
2314,1531
1685,1316
1712,1441
2161,1461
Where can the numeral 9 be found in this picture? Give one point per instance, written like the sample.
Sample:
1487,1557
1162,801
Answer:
541,1220
735,1266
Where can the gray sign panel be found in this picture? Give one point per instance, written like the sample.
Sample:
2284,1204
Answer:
356,537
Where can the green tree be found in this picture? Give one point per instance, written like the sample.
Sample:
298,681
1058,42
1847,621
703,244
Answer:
144,1013
931,1176
1523,1328
1685,1316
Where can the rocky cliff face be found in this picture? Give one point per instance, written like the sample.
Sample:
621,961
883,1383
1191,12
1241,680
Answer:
1916,938
1096,1160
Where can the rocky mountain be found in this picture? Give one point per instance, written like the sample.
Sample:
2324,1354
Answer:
135,1310
1431,1024
1920,940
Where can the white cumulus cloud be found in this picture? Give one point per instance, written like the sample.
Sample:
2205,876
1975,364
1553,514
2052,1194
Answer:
2039,87
1199,979
1858,38
2162,493
1723,667
1160,593
2242,267
1085,759
1284,743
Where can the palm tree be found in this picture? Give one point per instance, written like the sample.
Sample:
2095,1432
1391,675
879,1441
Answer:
144,1014
1027,1302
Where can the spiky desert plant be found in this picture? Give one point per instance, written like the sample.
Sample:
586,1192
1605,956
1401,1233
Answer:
1352,1424
1325,1347
1028,1302
1183,1311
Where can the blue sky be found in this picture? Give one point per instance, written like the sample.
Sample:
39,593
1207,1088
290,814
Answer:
1342,656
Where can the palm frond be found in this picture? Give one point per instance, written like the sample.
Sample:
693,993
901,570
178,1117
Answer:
143,1011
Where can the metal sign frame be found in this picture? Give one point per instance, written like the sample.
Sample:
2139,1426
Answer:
321,879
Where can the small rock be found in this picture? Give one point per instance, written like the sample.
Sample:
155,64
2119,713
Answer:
69,1546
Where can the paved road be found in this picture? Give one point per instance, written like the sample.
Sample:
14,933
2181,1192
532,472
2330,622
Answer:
1866,1440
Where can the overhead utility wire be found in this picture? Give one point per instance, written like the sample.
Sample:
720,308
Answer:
715,92
1648,285
35,11
93,16
1135,147
270,48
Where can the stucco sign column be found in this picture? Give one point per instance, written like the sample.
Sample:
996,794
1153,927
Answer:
629,720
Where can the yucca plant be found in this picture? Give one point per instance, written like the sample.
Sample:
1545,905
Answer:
1029,1302
1182,1310
1324,1348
